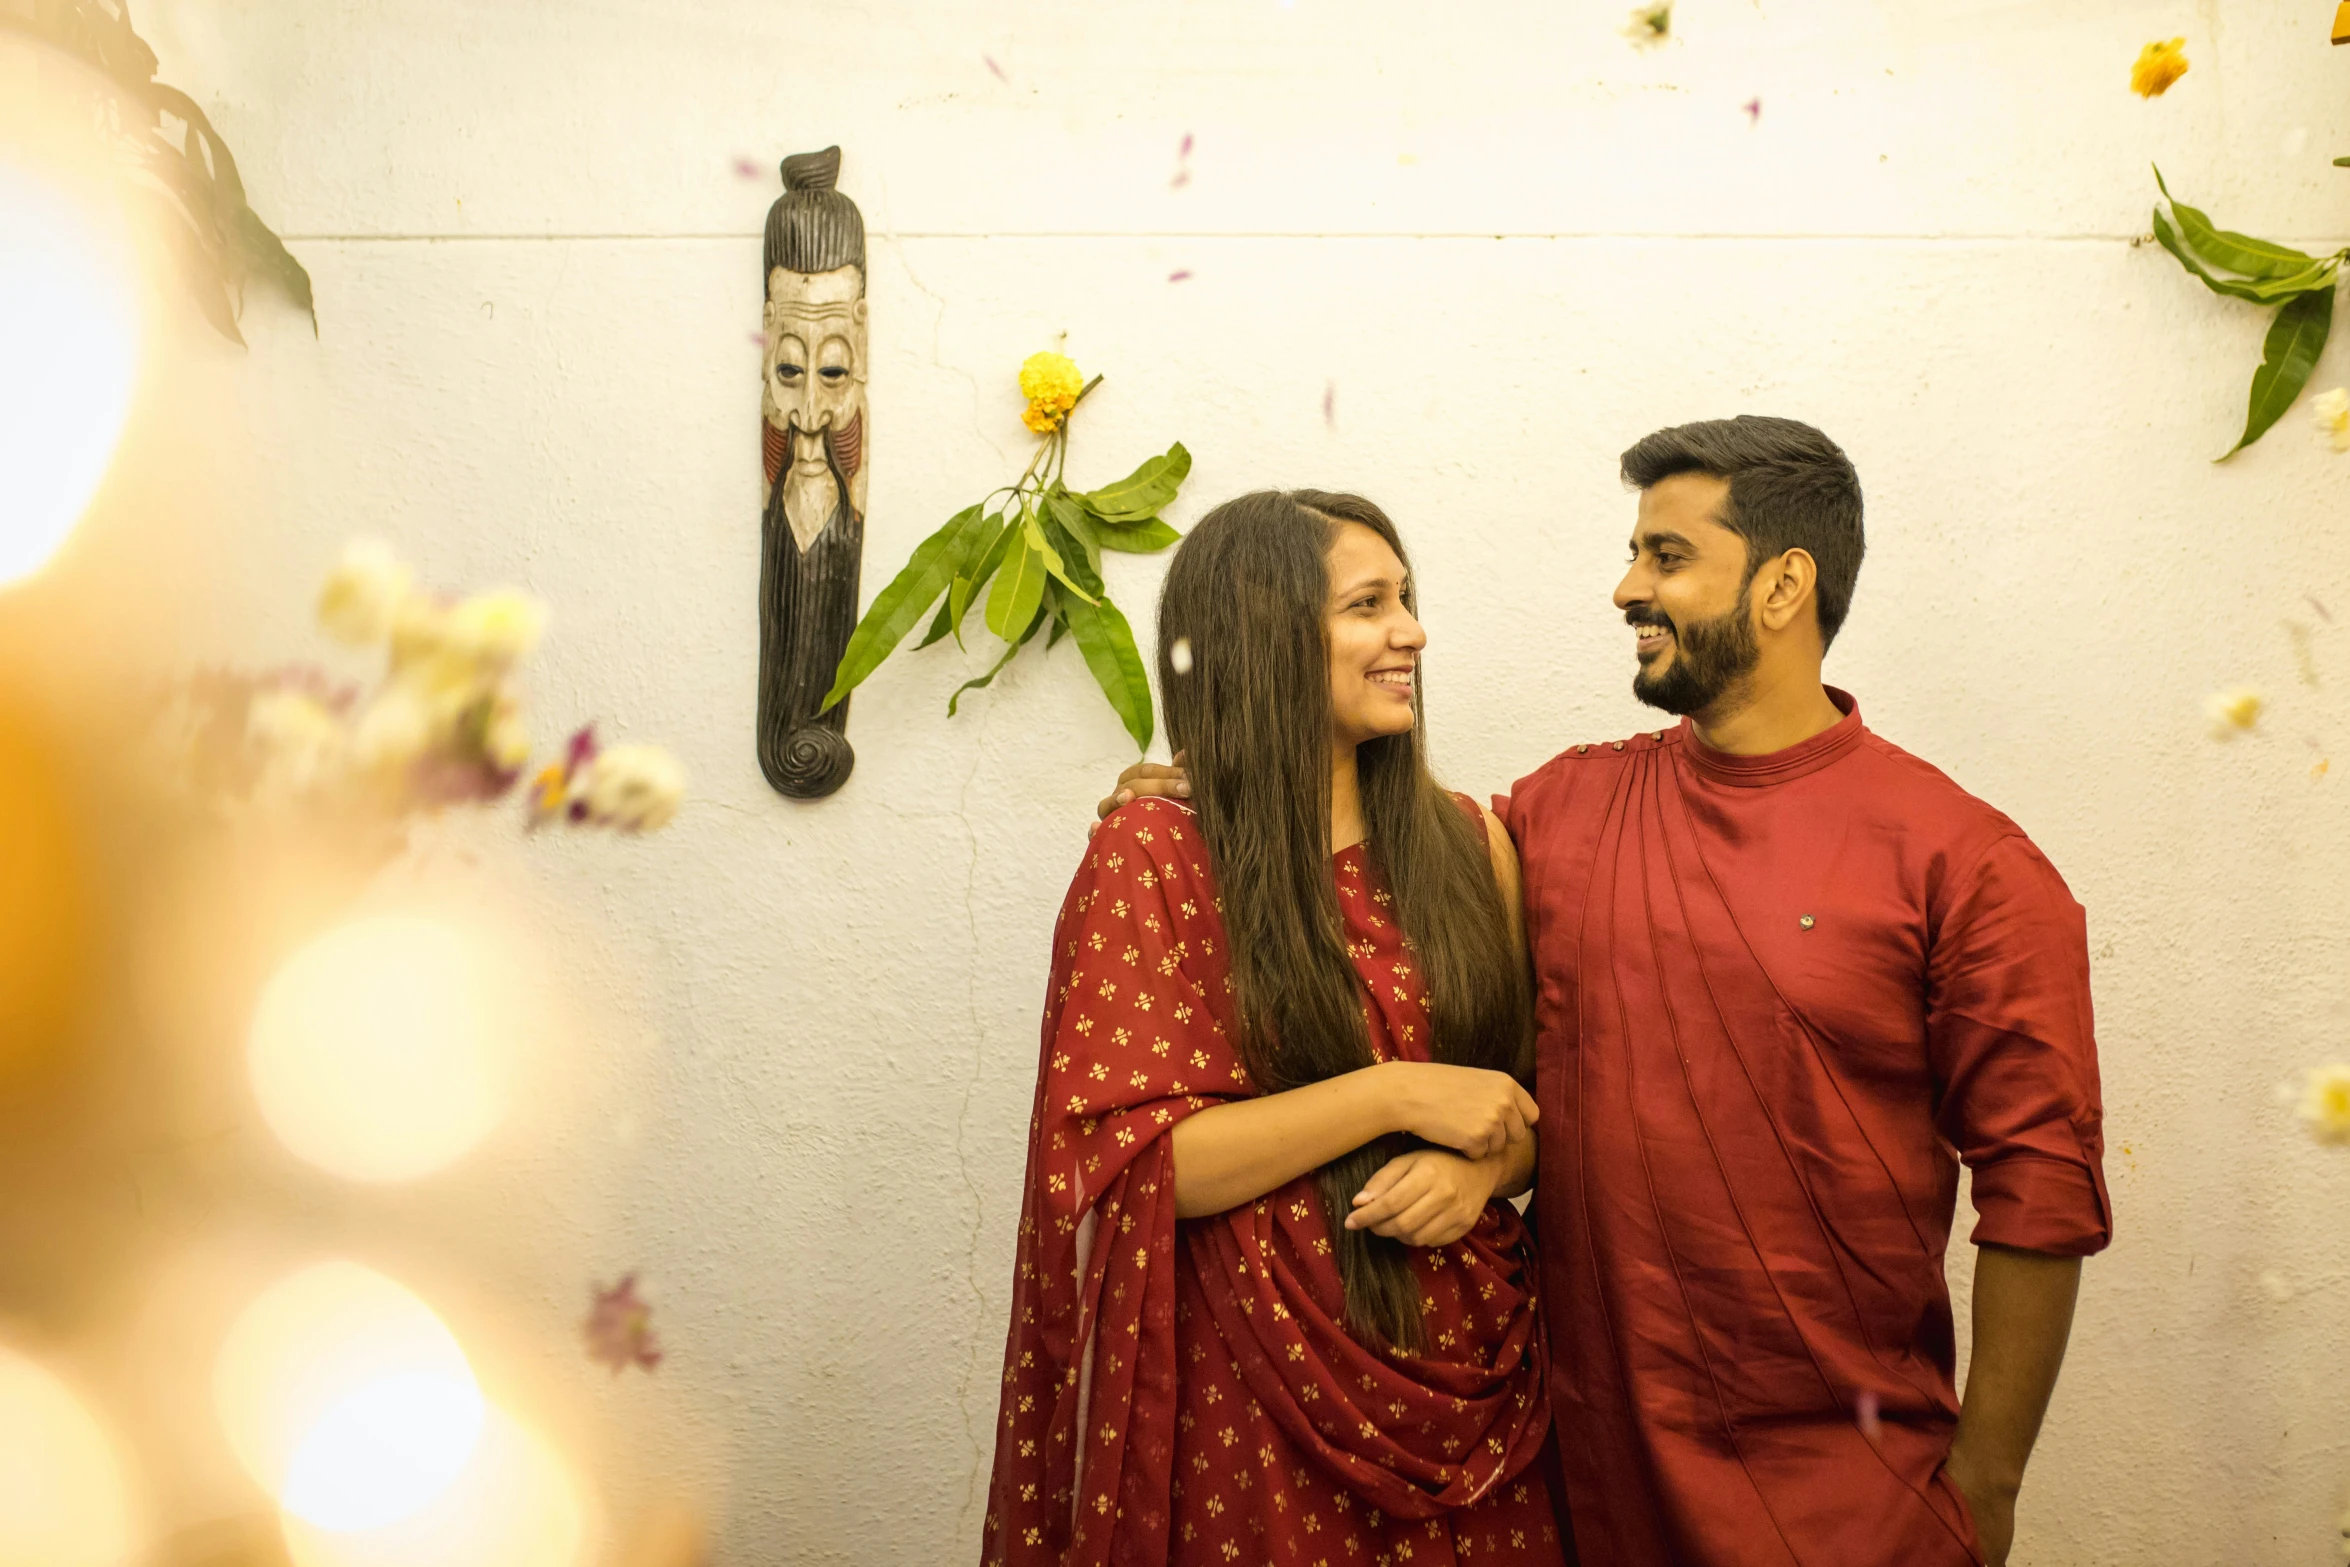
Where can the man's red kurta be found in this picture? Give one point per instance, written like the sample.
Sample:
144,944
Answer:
1776,995
1186,1394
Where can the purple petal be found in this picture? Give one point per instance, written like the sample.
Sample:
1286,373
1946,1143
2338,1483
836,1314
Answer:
1179,275
999,70
744,168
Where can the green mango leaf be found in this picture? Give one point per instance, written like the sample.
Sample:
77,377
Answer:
2319,274
1018,590
1060,623
1039,540
1079,567
988,679
1143,538
2342,163
967,586
899,605
1108,645
2295,339
940,628
2225,248
1070,515
1143,492
2168,237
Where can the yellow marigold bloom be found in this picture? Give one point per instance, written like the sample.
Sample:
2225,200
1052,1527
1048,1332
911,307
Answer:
1051,382
2232,712
2325,1103
1043,418
548,789
2331,412
2159,65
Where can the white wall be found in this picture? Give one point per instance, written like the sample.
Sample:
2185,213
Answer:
1507,244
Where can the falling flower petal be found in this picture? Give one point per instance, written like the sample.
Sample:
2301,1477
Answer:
745,168
999,70
1179,275
1865,1411
2330,412
2233,712
2323,613
1650,25
2325,1103
619,1328
1753,108
1179,656
2158,66
1330,404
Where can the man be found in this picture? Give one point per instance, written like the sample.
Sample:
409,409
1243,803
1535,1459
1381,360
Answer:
1784,969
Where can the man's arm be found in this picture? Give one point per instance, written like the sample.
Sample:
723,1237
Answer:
2023,1316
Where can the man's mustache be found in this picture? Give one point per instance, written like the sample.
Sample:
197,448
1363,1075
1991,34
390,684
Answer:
1647,617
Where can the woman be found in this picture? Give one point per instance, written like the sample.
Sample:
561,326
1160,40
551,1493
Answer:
1269,1307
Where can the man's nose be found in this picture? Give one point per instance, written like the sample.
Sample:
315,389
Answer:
1631,590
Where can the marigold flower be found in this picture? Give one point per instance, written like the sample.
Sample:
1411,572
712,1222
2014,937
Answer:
633,787
2234,711
1052,380
2159,65
548,790
494,630
300,740
1042,418
619,1328
363,594
505,737
394,732
2330,411
2325,1103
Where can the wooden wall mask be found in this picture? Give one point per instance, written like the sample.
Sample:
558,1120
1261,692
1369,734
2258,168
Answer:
812,436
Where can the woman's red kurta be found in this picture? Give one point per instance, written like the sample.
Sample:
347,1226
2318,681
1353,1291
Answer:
1779,999
1185,1393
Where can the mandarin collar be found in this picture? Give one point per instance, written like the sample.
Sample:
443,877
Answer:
1806,756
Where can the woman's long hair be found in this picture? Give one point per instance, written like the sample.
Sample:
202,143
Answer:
1248,593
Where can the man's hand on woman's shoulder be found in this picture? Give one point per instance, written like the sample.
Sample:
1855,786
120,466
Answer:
1168,781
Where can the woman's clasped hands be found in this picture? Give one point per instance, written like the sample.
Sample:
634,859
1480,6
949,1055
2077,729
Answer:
1483,1122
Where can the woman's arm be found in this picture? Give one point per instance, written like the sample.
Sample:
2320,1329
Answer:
1234,1153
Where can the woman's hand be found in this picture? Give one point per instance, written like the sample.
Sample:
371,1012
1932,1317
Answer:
1460,1107
1427,1197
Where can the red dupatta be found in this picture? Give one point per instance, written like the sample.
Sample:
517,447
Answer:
1135,1039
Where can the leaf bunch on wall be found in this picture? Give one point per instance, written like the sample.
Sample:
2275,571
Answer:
2299,286
1029,557
179,166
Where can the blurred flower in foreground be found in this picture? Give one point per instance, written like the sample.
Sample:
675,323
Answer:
619,1328
2330,412
2325,1103
2159,65
2234,711
1650,25
445,725
62,1501
363,593
634,787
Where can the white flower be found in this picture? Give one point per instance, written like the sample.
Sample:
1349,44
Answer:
1179,656
2330,412
2234,711
363,593
1650,25
505,738
494,630
634,787
300,740
2325,1103
394,731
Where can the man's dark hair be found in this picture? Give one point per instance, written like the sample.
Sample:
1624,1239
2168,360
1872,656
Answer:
1790,488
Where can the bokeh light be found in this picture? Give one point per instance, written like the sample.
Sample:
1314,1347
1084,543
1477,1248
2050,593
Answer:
346,1398
69,358
44,892
376,1051
62,1500
515,1505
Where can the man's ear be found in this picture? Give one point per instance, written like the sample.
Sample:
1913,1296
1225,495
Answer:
1784,587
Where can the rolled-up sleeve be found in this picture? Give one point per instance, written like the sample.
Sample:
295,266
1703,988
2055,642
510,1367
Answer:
2014,1053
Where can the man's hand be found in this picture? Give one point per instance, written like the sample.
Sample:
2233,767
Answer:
1469,1109
1427,1197
1992,1502
2023,1315
1146,778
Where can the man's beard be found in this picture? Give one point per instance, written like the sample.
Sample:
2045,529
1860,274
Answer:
1709,657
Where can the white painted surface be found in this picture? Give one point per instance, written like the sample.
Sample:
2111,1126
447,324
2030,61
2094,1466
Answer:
1506,245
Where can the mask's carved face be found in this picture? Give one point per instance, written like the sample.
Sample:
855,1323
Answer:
815,349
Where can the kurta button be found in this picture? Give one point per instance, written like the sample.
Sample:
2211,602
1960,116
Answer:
1659,735
1806,922
1619,745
